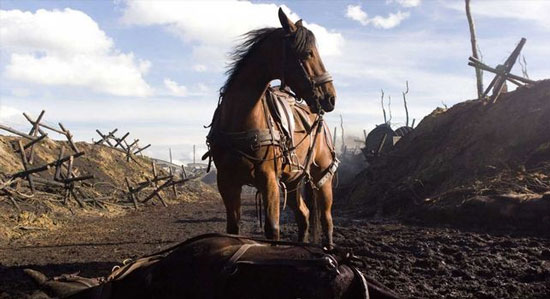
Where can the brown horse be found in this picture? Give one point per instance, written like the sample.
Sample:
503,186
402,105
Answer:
249,148
225,266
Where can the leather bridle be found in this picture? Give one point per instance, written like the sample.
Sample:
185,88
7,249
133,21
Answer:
314,81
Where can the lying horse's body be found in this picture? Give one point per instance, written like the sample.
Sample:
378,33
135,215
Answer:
225,266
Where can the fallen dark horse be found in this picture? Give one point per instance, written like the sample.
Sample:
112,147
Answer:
226,266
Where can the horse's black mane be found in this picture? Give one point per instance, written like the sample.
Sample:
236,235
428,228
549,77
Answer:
302,41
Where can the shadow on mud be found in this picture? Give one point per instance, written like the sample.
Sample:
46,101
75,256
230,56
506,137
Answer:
213,219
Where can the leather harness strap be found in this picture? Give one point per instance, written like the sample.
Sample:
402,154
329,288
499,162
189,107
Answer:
230,266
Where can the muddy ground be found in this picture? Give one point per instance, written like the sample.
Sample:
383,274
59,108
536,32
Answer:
415,261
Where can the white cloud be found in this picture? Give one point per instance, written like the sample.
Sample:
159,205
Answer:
213,27
355,12
200,68
537,12
391,21
67,48
11,116
175,89
406,3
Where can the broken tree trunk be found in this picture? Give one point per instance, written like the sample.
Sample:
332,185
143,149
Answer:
473,40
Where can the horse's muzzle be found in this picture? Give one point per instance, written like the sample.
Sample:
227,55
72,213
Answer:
328,103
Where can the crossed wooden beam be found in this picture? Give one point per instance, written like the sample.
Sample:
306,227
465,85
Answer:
65,174
120,144
158,182
502,73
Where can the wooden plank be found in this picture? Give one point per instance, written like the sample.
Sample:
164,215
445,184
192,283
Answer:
131,193
46,166
183,173
119,141
103,139
173,186
36,123
69,138
58,174
18,133
142,149
32,123
80,203
38,139
48,182
78,179
476,63
25,165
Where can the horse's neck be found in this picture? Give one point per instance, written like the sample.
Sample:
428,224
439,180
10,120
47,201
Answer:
242,108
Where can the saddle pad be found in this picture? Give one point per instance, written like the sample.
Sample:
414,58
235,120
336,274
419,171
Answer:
280,104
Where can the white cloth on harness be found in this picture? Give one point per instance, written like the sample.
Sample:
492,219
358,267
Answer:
281,108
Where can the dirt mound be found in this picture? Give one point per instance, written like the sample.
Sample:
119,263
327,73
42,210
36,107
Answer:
480,162
44,210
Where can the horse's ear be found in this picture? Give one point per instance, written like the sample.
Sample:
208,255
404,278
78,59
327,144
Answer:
299,23
288,26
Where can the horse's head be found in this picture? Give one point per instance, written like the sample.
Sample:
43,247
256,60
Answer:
303,69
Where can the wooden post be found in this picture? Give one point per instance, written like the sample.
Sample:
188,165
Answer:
36,123
141,149
131,193
58,175
173,186
34,132
155,177
119,141
32,123
473,41
183,173
25,165
69,138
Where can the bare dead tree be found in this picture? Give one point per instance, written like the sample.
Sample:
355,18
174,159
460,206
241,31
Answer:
523,64
382,103
389,108
479,74
334,137
343,137
405,102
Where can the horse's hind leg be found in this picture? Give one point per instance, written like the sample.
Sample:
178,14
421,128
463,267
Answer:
231,195
301,212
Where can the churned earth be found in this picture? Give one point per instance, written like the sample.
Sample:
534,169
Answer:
415,261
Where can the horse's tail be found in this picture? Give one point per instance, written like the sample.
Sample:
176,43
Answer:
314,215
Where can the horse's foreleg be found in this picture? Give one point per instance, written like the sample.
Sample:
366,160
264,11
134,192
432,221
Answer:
231,195
301,213
324,202
269,187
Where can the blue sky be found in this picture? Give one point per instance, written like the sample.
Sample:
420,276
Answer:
154,67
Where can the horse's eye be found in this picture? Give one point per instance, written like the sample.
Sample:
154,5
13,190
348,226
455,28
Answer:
308,55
